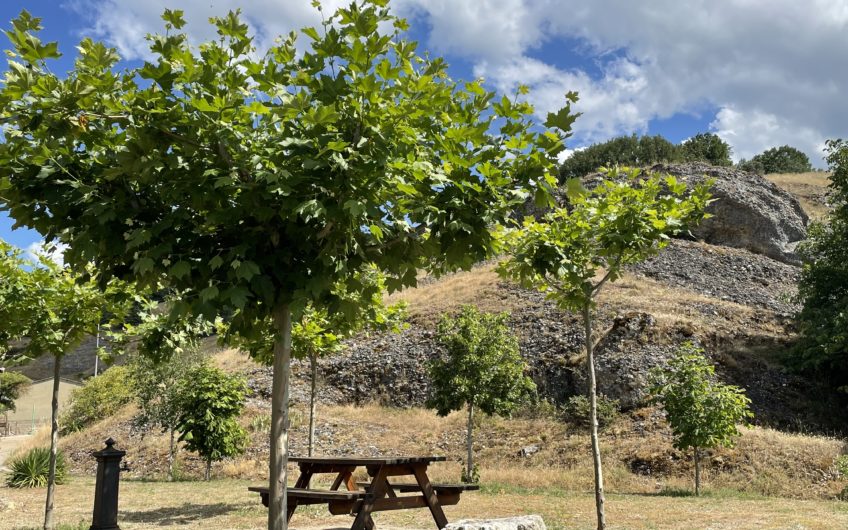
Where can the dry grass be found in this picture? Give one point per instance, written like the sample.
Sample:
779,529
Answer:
479,286
809,188
226,504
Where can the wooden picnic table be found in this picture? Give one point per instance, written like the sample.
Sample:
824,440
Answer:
380,494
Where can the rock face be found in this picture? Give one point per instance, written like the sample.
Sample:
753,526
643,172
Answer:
524,522
749,211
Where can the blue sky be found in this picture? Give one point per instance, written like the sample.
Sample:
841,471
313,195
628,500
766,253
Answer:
760,73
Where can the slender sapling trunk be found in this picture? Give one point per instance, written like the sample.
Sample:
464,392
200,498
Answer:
593,420
208,475
313,360
54,446
469,462
171,456
277,519
697,471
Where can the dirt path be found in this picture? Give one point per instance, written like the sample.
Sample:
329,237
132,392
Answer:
8,444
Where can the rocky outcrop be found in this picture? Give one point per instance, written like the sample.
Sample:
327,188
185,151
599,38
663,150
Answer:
730,274
524,522
749,211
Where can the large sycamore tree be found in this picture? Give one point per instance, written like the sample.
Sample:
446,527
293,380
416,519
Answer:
255,181
575,250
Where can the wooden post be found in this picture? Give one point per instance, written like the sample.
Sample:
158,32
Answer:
106,489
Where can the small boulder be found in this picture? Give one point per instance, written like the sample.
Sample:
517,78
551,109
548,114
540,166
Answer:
523,522
529,450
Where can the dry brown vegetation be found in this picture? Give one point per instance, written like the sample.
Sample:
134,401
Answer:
809,188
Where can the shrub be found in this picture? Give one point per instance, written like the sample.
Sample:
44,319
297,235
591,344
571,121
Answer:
624,150
576,410
707,147
784,159
30,469
12,385
98,398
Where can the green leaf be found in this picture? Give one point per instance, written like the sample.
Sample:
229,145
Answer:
209,293
180,269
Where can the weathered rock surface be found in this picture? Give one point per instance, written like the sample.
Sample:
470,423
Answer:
730,274
524,522
749,211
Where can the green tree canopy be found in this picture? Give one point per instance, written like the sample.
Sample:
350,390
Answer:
823,288
482,369
702,411
707,147
12,386
210,402
574,251
623,150
784,159
255,181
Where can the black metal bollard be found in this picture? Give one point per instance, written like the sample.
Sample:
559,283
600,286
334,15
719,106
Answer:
106,489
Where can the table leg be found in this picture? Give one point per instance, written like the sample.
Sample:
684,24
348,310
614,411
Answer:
375,492
430,496
302,482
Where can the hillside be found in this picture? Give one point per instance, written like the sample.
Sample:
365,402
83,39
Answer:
735,302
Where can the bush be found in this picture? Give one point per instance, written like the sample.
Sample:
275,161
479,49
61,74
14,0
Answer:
624,150
707,147
576,410
30,470
12,385
100,397
784,159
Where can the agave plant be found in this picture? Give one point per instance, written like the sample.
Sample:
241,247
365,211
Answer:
30,469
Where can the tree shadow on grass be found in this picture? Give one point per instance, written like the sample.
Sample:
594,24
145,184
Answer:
178,515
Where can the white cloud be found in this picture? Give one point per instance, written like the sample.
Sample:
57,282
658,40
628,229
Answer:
775,69
54,253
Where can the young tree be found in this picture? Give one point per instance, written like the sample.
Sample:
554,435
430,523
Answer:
168,351
574,251
54,309
12,386
210,402
482,369
319,333
823,287
253,182
707,147
702,412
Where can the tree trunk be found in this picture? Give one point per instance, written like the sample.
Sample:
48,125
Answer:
313,360
54,446
280,420
208,475
171,456
469,462
697,471
593,419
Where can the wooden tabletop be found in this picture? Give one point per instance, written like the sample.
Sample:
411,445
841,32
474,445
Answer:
366,461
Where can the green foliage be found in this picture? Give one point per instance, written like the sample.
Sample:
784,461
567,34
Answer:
53,307
211,400
31,469
577,410
99,398
624,151
784,159
624,220
702,411
320,332
247,179
823,287
707,147
12,386
470,478
482,366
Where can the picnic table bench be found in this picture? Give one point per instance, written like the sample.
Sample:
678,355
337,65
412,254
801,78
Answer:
377,495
